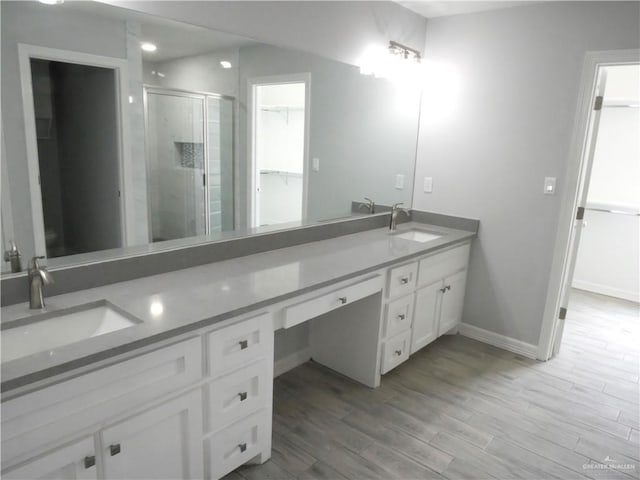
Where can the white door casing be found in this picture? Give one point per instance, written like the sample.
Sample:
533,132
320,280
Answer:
578,171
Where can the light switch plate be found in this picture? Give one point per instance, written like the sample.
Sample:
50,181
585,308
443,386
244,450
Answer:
428,184
549,185
399,182
315,164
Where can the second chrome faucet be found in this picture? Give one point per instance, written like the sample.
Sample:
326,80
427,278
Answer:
395,210
38,277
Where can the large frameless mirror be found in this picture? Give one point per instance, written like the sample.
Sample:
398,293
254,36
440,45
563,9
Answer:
125,133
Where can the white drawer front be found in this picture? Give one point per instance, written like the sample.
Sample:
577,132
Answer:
398,316
402,280
235,445
309,309
239,344
395,351
34,420
237,395
440,265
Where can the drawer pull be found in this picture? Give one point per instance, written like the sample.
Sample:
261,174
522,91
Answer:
401,316
448,287
243,447
89,461
243,396
243,344
398,352
444,289
114,449
342,300
404,280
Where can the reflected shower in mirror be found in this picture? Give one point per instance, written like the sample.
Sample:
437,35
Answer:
125,133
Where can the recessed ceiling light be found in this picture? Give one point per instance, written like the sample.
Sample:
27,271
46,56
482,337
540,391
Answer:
225,64
148,47
52,2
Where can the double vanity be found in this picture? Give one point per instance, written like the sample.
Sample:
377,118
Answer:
171,376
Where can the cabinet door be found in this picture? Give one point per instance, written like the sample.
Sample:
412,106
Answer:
76,461
425,316
452,302
164,442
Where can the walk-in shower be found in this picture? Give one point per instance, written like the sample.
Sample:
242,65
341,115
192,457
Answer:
190,157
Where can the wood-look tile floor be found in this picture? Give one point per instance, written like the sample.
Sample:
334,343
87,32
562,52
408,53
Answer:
460,409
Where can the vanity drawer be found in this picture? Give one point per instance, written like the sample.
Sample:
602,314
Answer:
34,420
402,280
440,265
395,351
236,345
236,395
235,445
398,316
309,309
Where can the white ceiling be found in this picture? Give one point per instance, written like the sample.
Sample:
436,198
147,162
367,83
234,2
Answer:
429,9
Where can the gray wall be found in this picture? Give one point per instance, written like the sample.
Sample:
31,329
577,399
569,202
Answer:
520,69
340,30
28,22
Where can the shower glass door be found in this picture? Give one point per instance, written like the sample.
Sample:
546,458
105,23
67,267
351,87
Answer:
190,152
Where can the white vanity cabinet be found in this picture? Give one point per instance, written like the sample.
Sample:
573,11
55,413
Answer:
238,395
425,300
180,410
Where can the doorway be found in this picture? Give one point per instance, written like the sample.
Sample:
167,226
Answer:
279,144
76,125
601,262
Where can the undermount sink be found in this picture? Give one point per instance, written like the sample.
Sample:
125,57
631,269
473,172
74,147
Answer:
50,330
418,236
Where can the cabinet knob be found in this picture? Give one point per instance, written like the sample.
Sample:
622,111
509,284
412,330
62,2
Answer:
242,446
443,289
243,396
448,287
114,449
89,461
342,300
401,316
398,352
404,280
243,344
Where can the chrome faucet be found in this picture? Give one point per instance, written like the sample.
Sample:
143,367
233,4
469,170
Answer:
395,210
370,205
38,277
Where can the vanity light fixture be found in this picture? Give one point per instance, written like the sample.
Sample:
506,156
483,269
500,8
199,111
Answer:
403,52
148,47
52,2
225,64
394,62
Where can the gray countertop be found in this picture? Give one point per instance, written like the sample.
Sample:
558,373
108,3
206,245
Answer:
196,297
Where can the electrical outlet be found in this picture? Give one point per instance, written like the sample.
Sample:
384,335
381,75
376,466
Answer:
428,184
549,185
315,164
399,182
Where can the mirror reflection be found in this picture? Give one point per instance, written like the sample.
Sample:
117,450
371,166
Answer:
122,130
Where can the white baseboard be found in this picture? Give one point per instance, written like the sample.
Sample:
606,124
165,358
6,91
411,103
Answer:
507,343
607,290
291,361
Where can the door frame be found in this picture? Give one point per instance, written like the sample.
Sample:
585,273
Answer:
251,170
578,171
25,53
